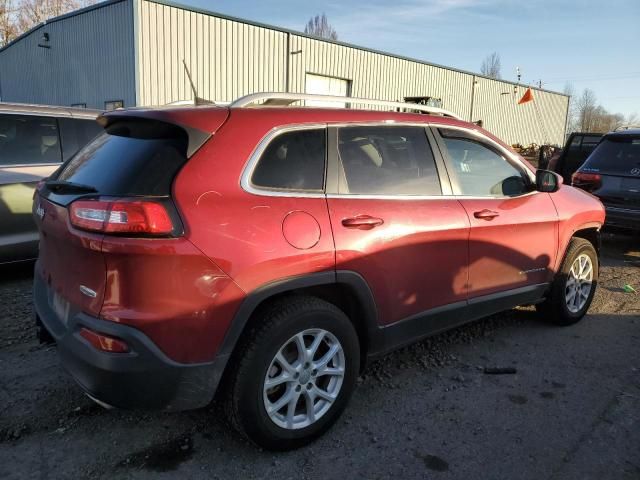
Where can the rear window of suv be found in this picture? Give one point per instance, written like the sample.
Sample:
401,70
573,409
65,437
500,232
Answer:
130,158
293,161
615,154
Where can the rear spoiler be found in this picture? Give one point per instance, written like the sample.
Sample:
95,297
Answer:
199,124
196,138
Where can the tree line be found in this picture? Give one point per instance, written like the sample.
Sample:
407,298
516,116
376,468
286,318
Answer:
587,115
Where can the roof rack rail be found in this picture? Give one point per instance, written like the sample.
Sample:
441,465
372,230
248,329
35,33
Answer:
284,99
622,128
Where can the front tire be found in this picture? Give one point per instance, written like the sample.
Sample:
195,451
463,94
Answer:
574,285
293,374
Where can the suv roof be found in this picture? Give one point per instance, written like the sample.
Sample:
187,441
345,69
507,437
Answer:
286,99
48,110
207,118
624,133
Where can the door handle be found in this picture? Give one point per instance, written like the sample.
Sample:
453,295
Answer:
486,214
362,222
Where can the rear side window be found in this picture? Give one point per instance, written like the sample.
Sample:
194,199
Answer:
28,140
590,141
575,143
134,157
75,134
293,161
616,154
480,169
387,161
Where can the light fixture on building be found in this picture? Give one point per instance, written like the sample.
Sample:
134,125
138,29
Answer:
44,41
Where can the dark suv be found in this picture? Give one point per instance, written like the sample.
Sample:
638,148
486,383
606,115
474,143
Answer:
612,173
34,141
268,252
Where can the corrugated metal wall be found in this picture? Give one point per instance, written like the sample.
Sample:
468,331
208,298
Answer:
90,61
540,121
379,76
229,58
226,59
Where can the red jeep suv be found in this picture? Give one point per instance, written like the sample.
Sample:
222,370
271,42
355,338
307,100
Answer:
268,251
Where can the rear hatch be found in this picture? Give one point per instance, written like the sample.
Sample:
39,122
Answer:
117,185
617,161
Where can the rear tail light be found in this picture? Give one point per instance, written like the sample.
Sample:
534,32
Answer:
586,181
104,342
121,216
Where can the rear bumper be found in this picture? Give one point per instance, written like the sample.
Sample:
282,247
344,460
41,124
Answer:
142,378
622,217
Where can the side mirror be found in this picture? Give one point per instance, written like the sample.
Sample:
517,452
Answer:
547,181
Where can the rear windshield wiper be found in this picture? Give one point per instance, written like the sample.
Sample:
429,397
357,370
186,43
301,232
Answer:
60,186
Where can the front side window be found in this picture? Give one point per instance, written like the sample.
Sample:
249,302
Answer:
480,169
28,140
387,160
293,161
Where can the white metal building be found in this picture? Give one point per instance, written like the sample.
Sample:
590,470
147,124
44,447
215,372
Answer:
131,52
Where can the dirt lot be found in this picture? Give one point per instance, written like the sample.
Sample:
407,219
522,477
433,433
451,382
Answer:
427,411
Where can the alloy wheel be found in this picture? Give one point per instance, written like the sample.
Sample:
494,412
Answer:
304,379
579,283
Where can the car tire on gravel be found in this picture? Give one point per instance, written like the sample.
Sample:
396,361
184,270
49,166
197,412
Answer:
574,285
293,375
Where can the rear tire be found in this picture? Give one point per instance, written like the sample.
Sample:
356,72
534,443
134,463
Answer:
281,395
574,285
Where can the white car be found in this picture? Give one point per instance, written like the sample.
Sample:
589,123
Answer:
34,141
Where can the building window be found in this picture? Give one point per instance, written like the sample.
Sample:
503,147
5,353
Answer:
113,104
79,105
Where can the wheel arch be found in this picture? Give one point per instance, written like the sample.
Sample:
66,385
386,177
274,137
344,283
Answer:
346,290
589,231
591,234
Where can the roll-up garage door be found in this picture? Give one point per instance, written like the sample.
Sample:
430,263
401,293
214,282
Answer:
321,85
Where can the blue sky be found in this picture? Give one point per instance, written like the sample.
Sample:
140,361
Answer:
591,44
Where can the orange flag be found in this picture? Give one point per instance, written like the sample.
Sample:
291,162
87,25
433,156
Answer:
527,97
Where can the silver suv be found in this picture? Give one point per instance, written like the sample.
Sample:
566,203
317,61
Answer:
34,141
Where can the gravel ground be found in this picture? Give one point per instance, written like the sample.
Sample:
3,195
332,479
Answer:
572,410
